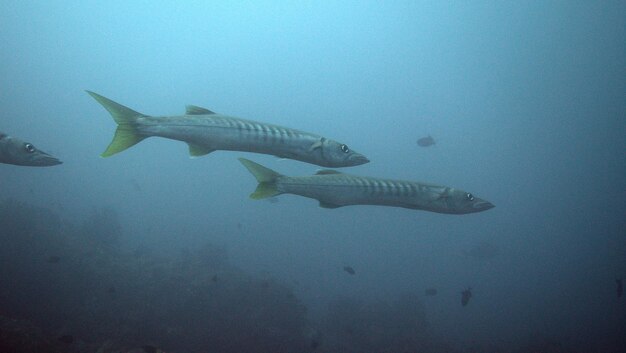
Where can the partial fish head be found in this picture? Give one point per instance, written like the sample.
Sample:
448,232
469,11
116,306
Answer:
456,201
18,152
330,153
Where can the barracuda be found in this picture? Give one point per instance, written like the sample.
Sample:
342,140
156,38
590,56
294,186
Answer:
18,152
334,189
205,131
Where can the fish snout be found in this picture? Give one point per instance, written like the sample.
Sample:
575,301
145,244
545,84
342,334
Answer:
45,160
482,205
357,159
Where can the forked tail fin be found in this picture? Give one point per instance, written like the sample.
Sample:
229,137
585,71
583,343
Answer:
126,134
266,178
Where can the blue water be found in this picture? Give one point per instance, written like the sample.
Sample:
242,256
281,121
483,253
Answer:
526,103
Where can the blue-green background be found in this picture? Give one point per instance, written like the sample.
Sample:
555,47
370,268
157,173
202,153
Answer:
525,99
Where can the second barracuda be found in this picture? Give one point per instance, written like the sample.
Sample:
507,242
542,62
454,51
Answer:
334,189
205,131
18,152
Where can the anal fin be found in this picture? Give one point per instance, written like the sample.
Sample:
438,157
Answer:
327,172
198,150
324,204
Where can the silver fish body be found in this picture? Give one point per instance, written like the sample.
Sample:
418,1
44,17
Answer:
18,152
205,131
334,189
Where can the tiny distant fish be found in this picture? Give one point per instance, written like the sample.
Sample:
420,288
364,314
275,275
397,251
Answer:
314,344
315,336
620,288
111,290
214,278
349,269
426,141
54,259
430,292
465,296
67,339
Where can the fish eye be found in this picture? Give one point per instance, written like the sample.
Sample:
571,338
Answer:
469,196
29,147
345,148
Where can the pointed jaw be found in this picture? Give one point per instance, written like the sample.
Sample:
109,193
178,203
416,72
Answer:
44,160
357,159
480,205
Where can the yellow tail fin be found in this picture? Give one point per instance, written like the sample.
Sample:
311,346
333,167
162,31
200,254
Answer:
266,178
126,134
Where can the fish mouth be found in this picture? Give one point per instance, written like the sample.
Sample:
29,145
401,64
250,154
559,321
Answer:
358,159
482,205
46,160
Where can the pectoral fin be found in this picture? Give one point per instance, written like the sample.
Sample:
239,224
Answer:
317,144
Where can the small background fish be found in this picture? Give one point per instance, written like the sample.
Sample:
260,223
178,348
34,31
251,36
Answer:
426,141
465,296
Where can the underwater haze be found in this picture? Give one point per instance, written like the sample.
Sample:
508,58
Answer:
525,104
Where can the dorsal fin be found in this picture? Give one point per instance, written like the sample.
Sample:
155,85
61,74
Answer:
326,172
195,110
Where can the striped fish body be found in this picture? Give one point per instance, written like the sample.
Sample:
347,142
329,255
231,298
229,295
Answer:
205,131
334,189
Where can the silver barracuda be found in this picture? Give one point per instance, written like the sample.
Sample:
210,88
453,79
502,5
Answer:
334,189
18,152
205,131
